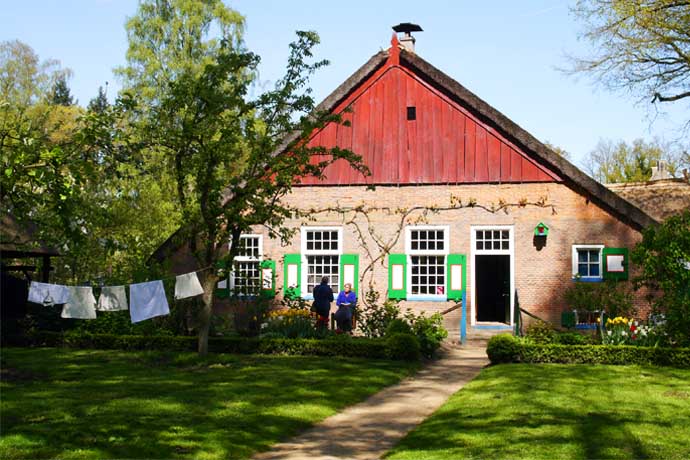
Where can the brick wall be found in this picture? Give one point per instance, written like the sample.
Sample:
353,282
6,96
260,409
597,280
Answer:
541,275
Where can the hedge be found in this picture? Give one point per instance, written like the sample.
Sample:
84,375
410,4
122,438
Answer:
508,349
339,346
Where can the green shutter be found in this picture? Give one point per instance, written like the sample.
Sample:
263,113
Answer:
350,259
451,260
614,274
398,293
295,291
223,292
268,282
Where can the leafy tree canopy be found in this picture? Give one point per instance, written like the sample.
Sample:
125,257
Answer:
233,158
640,46
664,256
612,162
60,94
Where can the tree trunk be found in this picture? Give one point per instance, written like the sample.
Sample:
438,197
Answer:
206,312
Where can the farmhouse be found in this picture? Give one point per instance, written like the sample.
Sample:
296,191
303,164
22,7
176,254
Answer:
462,205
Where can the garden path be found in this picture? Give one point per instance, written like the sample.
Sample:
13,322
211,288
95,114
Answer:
371,428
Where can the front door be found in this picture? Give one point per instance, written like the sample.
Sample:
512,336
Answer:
492,273
493,288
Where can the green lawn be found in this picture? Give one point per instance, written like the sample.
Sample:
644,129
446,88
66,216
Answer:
560,412
109,404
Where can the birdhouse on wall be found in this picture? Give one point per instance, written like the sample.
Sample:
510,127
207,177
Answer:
541,230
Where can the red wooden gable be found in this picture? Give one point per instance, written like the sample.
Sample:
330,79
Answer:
445,144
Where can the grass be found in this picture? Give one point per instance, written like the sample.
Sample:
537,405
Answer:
554,411
71,404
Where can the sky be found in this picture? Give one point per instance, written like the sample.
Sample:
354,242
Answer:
506,52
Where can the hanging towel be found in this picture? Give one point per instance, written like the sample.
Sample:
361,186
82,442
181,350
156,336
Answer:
81,305
187,286
112,298
147,300
48,294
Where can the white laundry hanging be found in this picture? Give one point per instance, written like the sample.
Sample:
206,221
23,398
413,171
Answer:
147,300
187,285
112,298
48,294
81,305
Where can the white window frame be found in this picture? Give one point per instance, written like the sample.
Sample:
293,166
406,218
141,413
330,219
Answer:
575,261
304,252
474,251
409,252
246,258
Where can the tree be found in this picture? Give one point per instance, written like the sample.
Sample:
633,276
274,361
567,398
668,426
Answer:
64,169
642,46
168,38
24,79
99,103
558,150
233,158
61,95
664,256
611,162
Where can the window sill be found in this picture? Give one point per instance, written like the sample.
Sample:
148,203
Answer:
427,298
588,280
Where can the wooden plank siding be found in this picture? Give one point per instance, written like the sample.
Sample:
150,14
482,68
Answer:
444,144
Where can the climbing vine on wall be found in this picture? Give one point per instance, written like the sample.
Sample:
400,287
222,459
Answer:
377,246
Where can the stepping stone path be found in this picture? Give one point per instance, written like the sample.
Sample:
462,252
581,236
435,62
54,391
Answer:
371,428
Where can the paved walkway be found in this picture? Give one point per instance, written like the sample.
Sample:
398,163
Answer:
371,428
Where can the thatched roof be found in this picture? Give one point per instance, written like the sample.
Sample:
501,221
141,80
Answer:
660,199
17,240
573,176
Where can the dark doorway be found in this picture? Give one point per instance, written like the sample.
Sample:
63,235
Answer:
493,288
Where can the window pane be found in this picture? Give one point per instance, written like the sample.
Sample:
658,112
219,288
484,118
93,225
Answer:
504,234
415,245
582,256
310,245
594,270
504,244
497,244
582,270
497,234
594,256
480,245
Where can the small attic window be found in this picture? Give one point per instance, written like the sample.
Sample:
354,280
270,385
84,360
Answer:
412,113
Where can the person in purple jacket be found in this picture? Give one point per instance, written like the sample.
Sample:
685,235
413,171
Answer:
346,303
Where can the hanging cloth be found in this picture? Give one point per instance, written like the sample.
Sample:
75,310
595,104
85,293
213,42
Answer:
81,305
112,298
187,285
48,294
147,300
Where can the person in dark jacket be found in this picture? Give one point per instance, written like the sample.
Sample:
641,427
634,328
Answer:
323,296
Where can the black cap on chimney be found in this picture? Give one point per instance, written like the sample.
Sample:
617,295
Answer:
407,27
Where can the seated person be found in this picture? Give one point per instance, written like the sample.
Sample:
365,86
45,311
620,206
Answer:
346,303
323,296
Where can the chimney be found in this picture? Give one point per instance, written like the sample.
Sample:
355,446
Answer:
407,40
660,171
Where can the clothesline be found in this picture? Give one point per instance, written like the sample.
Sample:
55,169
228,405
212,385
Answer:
146,299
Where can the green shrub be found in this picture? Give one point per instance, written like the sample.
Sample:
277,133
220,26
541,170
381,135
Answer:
662,256
398,326
573,338
403,346
541,332
429,331
335,346
613,296
508,349
374,317
503,348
